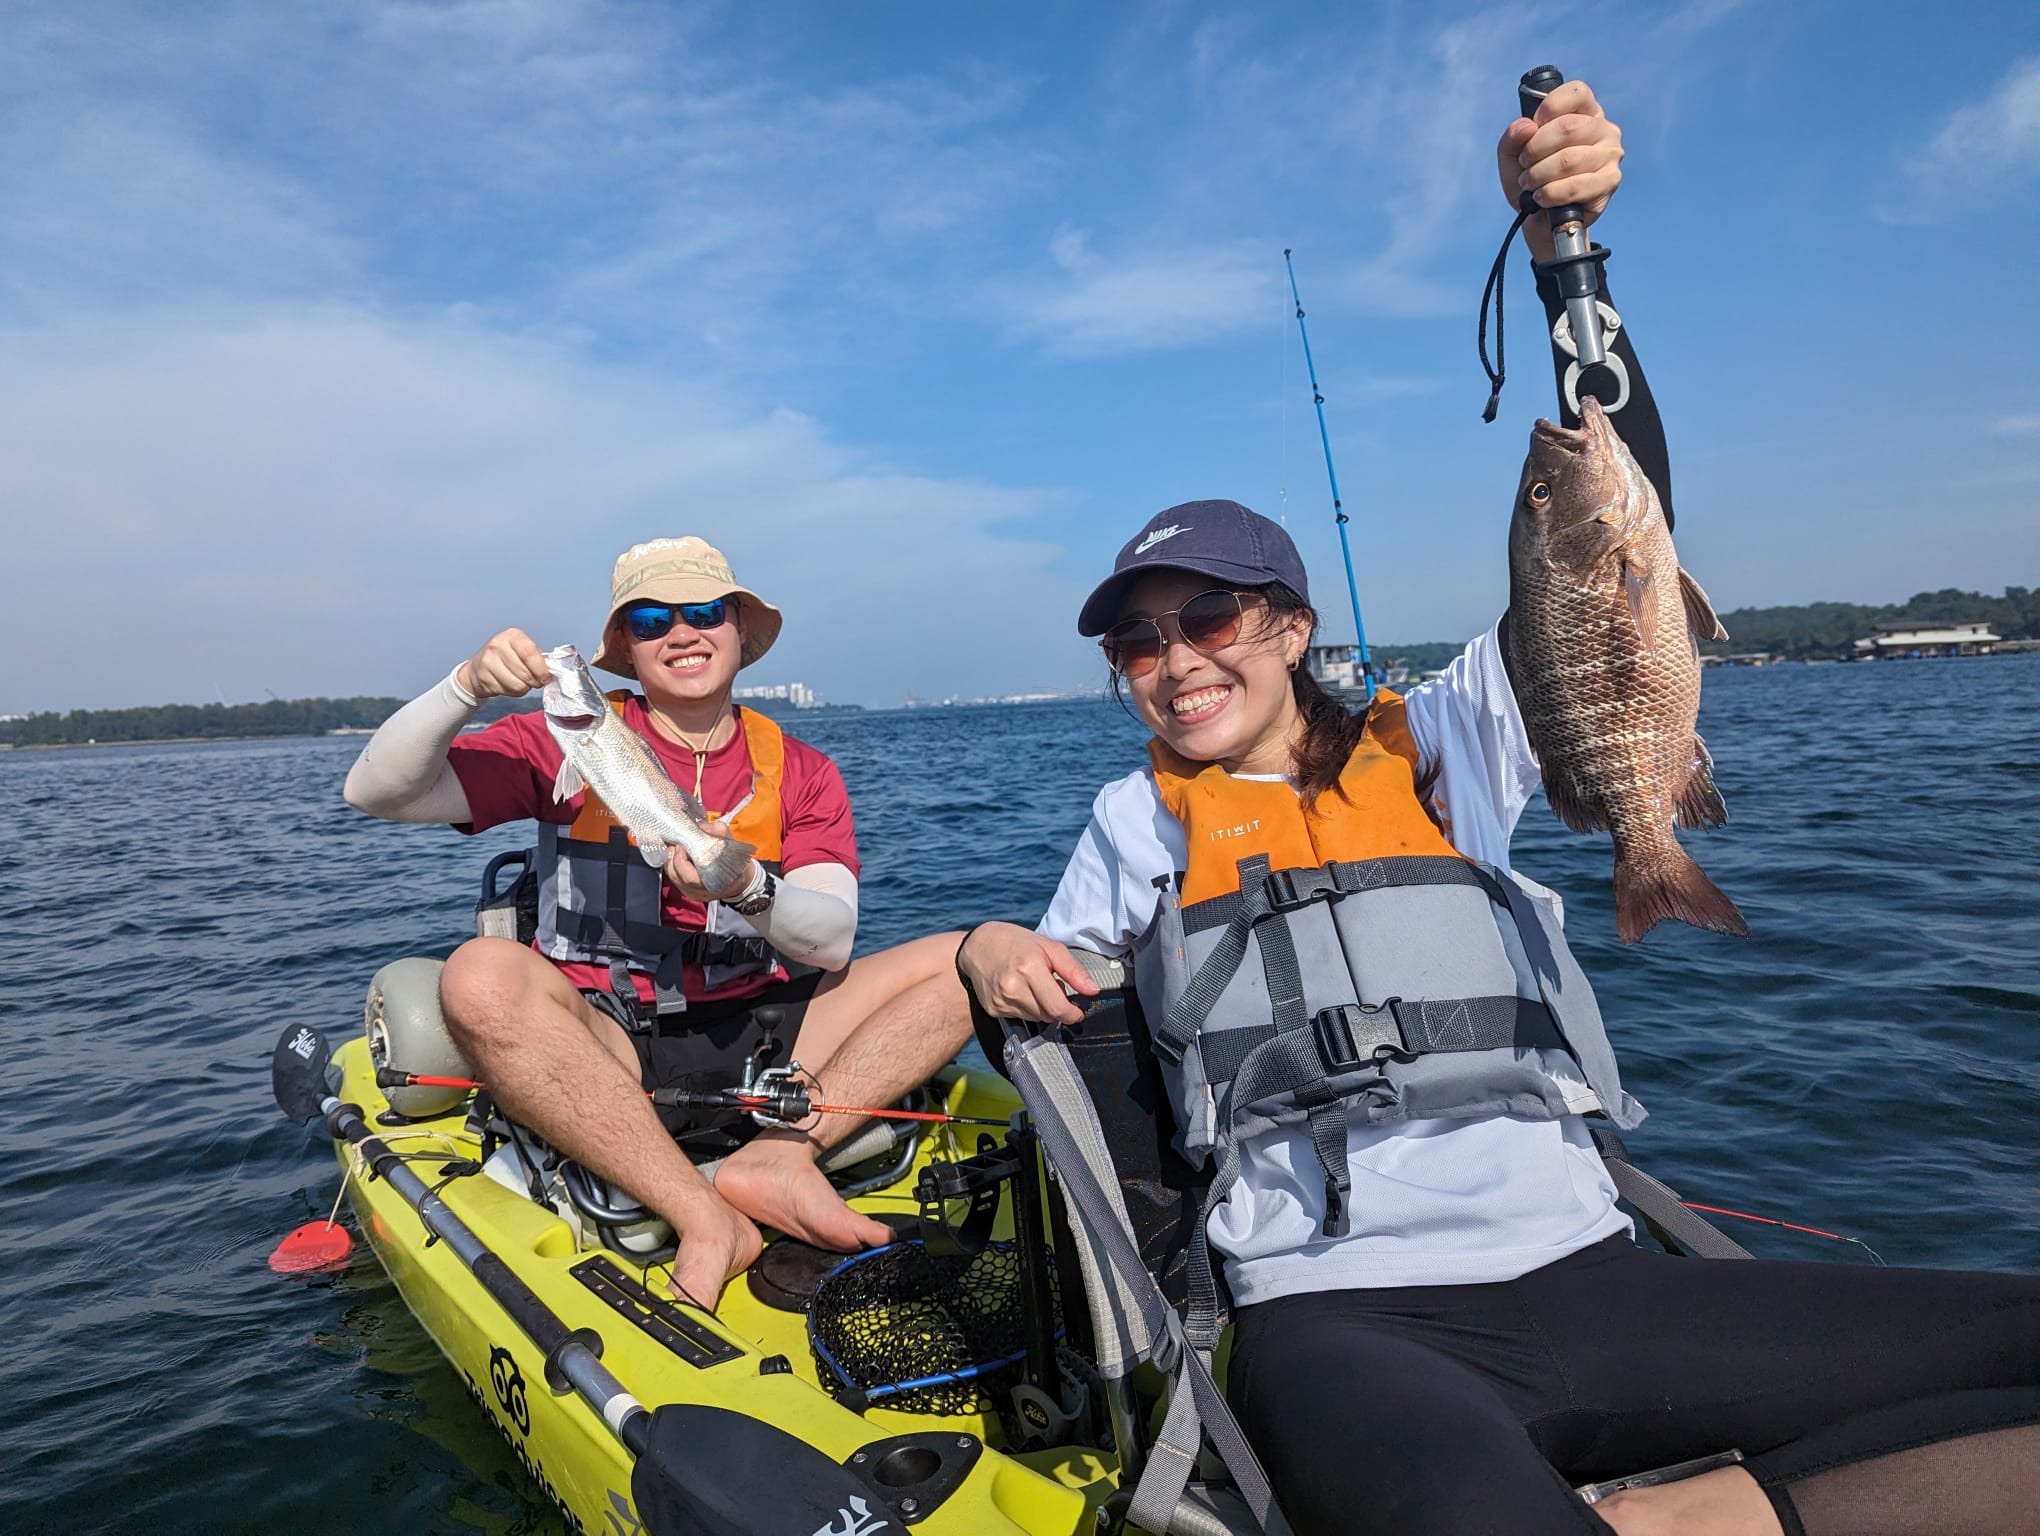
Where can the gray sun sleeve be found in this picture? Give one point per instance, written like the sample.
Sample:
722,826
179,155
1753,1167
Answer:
402,774
813,919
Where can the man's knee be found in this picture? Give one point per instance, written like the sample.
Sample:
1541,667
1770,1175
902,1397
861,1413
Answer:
923,959
483,986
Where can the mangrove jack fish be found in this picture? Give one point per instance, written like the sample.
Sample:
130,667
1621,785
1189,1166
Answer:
599,751
1602,627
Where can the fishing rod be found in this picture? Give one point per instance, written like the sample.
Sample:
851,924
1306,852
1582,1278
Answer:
1317,395
786,1099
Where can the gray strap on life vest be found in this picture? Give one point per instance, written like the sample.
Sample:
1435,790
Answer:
1187,1015
1035,1064
1299,887
1325,1112
1400,1029
1261,893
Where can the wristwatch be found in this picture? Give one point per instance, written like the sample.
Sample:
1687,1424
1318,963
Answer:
752,905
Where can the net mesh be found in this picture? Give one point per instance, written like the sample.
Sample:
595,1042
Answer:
920,1332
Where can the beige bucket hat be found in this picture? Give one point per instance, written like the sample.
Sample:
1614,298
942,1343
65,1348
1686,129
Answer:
688,570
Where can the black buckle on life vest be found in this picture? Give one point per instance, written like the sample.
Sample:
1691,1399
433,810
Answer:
1354,1034
1288,889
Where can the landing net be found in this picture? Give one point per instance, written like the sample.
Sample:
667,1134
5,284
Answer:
920,1332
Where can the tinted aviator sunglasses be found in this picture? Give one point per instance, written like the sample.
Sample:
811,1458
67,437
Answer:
1208,622
648,621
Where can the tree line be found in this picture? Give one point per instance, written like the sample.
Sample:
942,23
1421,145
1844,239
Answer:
1809,631
216,722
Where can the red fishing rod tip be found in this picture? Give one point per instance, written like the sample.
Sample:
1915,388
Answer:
315,1246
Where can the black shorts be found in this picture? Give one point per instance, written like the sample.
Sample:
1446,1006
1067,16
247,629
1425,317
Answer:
706,1047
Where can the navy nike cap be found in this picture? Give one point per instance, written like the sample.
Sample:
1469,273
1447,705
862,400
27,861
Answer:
1213,538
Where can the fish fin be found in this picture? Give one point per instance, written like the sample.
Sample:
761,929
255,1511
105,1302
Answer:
655,853
728,862
1571,807
691,804
568,782
1670,885
1699,611
1636,581
1700,803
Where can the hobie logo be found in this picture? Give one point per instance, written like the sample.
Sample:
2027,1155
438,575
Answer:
855,1520
1157,536
305,1043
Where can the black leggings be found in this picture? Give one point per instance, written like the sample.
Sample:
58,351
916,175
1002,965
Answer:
1466,1409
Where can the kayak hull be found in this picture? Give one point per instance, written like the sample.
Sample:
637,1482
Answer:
750,1358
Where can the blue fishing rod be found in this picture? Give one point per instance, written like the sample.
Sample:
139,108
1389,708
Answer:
1360,660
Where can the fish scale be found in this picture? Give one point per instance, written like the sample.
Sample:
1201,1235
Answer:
1601,648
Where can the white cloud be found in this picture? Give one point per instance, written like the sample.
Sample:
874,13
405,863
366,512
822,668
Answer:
1070,247
1981,150
2014,426
1145,302
577,168
321,501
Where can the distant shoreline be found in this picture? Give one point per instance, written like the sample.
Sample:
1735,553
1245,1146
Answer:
169,741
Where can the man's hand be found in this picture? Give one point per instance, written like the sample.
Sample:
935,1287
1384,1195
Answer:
1569,154
508,665
684,877
1018,974
717,1243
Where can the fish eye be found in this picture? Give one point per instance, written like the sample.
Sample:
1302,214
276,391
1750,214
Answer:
1538,494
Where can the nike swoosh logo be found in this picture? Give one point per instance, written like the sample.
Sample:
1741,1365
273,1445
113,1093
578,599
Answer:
1157,536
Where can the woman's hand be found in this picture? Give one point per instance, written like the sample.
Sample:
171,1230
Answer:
1569,154
508,665
684,877
1018,974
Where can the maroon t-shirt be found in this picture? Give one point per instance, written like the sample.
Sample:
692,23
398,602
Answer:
508,769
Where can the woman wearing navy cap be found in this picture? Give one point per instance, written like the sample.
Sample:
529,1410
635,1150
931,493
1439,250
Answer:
1370,1032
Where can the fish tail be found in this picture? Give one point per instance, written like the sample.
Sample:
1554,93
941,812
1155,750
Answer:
1669,884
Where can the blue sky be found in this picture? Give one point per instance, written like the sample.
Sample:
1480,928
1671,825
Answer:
333,339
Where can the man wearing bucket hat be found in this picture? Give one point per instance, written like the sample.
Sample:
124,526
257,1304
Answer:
636,979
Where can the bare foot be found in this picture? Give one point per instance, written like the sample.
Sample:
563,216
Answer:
775,1182
717,1244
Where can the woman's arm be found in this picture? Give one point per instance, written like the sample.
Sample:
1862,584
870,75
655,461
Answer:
1637,423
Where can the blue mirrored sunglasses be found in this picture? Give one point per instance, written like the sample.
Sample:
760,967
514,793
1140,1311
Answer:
648,621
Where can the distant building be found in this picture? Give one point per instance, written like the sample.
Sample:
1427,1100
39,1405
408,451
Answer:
1895,642
1740,659
799,695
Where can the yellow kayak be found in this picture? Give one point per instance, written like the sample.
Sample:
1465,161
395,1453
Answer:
743,1429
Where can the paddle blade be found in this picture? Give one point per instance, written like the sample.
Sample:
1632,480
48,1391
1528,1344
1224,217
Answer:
297,1072
315,1246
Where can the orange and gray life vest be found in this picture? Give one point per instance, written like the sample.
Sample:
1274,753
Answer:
1346,963
600,903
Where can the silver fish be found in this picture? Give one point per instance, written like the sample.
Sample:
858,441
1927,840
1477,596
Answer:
1602,623
599,751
